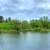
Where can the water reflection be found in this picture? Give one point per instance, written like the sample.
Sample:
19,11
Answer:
43,42
24,41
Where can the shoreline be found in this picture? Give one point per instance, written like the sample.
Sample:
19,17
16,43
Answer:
7,31
26,30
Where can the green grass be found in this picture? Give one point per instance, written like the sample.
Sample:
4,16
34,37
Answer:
7,27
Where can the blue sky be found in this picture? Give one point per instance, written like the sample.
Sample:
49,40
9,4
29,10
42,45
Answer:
24,9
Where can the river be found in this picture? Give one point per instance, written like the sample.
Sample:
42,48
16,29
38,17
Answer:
25,41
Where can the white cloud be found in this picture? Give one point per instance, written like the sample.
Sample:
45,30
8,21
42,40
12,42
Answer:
44,5
22,4
26,7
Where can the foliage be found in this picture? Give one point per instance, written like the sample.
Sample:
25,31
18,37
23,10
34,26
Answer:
1,19
41,24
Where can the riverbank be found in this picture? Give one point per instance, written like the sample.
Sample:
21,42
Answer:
24,30
9,31
37,30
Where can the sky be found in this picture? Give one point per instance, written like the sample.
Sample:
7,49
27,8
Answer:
24,9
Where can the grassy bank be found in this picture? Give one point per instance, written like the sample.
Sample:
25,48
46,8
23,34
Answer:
8,27
35,25
7,31
25,30
36,30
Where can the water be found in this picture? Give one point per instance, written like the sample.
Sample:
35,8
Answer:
25,41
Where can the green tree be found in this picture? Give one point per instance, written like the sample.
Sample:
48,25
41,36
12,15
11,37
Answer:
25,25
1,19
44,22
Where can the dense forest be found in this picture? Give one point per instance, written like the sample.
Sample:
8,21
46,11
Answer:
41,24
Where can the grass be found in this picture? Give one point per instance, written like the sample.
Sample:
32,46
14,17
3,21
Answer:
7,27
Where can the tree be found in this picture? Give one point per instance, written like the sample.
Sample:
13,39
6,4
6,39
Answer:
34,23
44,22
25,25
1,19
9,18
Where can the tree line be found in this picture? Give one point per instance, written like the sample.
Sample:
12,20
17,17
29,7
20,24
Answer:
41,24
